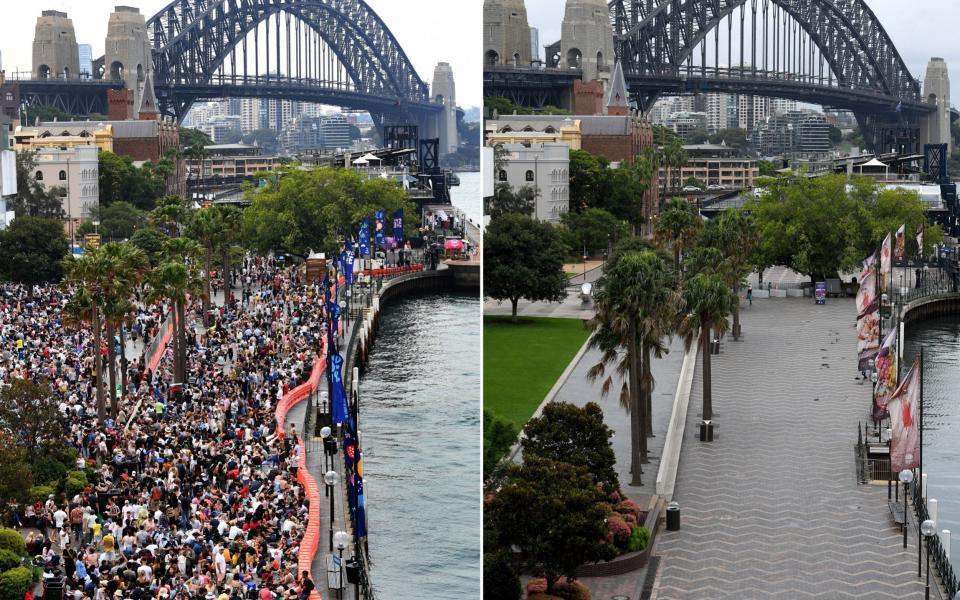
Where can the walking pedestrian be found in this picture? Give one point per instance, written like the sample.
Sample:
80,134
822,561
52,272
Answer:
750,295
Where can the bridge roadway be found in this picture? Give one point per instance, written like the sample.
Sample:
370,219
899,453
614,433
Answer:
772,507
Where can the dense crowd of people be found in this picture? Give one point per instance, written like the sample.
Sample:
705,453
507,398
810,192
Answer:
192,495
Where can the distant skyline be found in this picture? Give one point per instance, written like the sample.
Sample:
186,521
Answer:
918,33
440,31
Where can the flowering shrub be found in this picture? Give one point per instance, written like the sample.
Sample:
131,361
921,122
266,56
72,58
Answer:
618,532
628,507
562,590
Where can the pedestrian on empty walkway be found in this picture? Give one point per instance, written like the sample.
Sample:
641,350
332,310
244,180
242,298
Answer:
750,295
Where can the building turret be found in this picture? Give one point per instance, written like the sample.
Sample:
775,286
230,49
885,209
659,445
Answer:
55,51
127,50
586,41
618,100
506,33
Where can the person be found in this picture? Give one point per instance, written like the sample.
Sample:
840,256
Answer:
750,295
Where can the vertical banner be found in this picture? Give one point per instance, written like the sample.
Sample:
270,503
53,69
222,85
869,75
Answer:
364,238
920,242
348,262
361,508
868,315
333,309
900,243
378,219
885,264
398,226
886,375
905,422
341,413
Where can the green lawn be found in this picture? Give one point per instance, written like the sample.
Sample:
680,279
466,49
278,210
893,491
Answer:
522,362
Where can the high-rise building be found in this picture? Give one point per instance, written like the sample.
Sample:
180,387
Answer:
717,110
534,44
335,132
752,110
86,60
249,114
811,132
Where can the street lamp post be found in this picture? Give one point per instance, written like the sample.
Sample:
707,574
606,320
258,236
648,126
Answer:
325,435
342,539
928,528
346,319
331,478
906,477
889,464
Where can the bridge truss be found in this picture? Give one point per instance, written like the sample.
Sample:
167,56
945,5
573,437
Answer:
830,52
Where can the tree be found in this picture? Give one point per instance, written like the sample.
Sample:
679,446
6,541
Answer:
205,230
708,301
584,176
594,229
505,200
836,136
523,259
192,137
678,228
498,436
500,578
733,137
767,168
32,250
620,191
33,198
120,180
16,478
578,436
120,220
674,157
29,413
150,241
265,138
553,513
170,215
734,234
633,311
312,210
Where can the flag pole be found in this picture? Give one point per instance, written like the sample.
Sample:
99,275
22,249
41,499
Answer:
919,481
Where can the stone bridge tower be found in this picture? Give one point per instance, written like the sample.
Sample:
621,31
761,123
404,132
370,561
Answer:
586,41
935,128
444,91
506,33
55,51
127,53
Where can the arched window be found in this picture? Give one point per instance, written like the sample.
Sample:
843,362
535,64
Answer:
492,57
549,129
506,129
503,175
529,175
574,58
599,60
39,176
516,59
528,129
63,175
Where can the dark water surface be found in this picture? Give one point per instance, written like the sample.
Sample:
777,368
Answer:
940,339
420,429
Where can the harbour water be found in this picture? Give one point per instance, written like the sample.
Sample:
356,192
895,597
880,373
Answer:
467,196
940,339
419,426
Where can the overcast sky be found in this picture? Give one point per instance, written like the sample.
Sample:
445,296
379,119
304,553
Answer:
430,31
920,30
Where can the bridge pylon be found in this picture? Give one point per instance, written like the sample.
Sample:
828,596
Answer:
55,51
128,55
444,92
935,127
586,40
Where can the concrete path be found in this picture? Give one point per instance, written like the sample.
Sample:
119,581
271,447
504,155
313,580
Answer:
572,307
772,508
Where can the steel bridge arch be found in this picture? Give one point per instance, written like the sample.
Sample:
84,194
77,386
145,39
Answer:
192,38
651,35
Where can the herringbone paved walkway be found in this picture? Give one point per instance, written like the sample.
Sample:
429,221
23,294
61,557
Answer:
771,508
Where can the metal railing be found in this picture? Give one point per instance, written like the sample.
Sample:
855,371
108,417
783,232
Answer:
938,555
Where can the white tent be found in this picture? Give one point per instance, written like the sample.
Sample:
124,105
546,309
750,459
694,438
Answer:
361,161
369,157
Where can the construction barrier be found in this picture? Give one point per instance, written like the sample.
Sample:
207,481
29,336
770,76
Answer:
311,536
378,273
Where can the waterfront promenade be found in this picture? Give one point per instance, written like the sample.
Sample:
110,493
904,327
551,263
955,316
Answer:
772,508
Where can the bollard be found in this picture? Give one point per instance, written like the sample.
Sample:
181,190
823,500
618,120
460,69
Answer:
932,509
923,485
945,542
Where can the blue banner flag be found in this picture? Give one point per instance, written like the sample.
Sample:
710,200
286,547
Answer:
364,241
334,310
361,508
380,234
398,226
348,263
341,413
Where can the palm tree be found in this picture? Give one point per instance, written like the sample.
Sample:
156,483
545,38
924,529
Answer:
674,158
708,301
170,214
735,236
678,228
92,272
176,279
630,306
206,229
231,219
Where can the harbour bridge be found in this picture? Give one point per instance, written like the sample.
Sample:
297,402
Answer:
834,53
332,52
